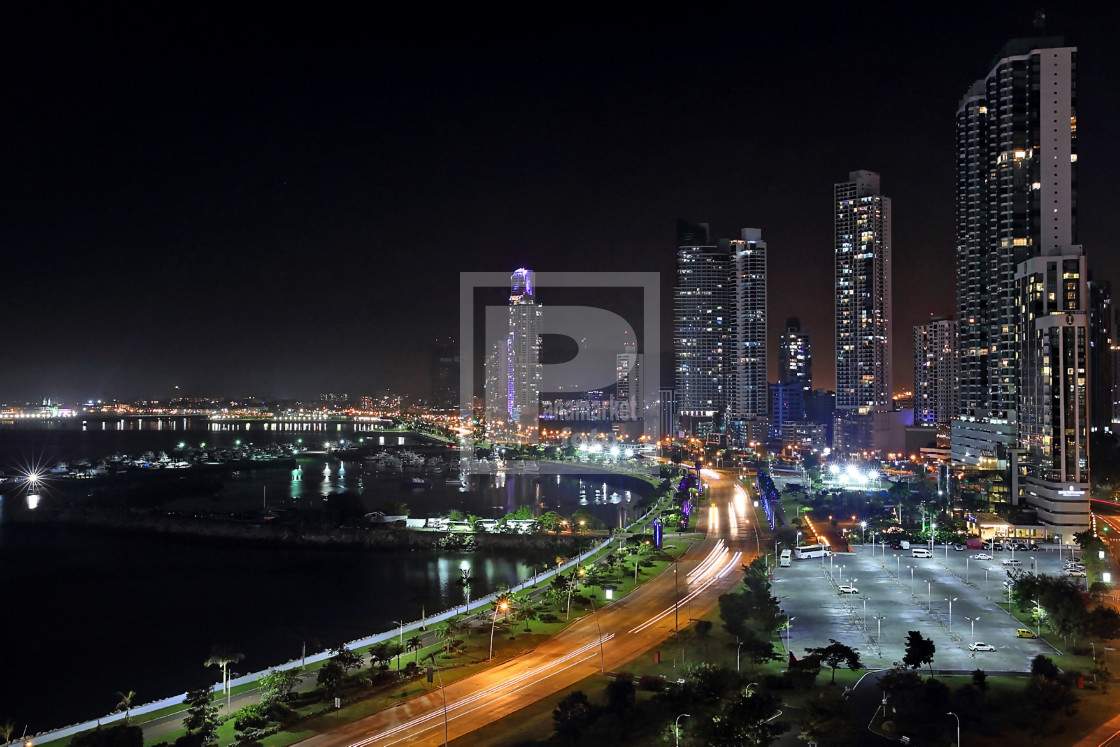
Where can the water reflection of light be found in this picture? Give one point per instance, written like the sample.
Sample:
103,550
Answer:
33,501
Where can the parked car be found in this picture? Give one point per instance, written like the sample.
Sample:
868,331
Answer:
1025,633
981,556
1036,548
1074,567
845,589
1013,563
1022,546
958,547
981,646
1075,573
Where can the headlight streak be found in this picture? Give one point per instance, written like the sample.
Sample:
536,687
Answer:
459,704
732,521
711,557
724,570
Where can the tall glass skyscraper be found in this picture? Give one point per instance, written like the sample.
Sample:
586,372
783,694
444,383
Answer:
1022,298
719,332
862,260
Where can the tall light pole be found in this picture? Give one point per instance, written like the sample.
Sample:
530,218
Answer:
929,596
676,598
740,646
911,579
677,727
865,614
932,529
972,620
503,606
863,532
966,560
789,628
879,632
401,623
1038,618
950,601
958,718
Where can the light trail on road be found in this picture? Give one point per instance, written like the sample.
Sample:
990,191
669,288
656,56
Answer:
532,674
719,575
704,564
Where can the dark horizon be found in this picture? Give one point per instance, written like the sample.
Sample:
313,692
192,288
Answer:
280,207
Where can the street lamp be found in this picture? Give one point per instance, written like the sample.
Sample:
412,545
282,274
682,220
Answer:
929,596
502,606
932,529
958,718
950,601
1038,618
972,620
865,614
879,632
677,728
863,532
789,627
911,579
739,648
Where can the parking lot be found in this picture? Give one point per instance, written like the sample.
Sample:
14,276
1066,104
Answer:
949,597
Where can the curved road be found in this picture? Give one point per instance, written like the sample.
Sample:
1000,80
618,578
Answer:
599,642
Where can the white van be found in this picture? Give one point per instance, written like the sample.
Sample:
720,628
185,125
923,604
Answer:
920,552
1013,563
785,558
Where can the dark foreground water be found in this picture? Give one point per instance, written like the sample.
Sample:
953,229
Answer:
90,613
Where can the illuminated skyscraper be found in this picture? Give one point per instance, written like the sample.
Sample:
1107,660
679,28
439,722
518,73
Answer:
750,391
702,311
513,368
1022,295
862,260
523,358
935,372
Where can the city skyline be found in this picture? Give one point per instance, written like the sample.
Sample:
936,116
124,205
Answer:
231,207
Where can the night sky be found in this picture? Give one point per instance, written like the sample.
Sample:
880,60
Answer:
281,205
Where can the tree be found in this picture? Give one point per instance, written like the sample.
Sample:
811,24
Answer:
1044,666
223,656
1104,623
330,677
277,685
828,721
395,650
919,651
746,719
202,716
380,654
835,654
1089,542
621,693
125,705
415,643
347,658
524,610
572,715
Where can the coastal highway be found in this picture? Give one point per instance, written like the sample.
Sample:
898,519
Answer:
599,642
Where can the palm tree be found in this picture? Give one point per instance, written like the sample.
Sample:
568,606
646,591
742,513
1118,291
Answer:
223,656
445,633
125,704
6,729
415,643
